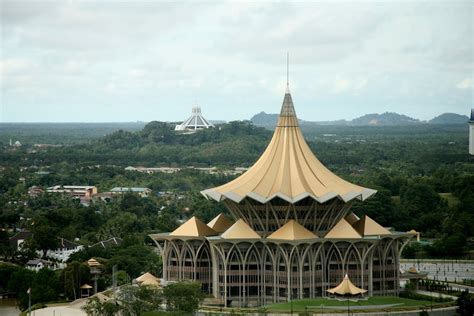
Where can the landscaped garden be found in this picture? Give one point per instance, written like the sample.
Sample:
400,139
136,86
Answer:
384,302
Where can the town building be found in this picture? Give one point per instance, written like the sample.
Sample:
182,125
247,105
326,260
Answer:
194,123
38,264
63,251
292,236
74,190
143,192
17,240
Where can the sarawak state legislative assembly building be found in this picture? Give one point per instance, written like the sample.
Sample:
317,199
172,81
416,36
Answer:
292,234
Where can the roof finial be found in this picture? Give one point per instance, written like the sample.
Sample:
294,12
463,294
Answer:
287,72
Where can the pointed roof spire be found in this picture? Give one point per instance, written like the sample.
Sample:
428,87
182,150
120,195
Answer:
287,72
292,231
220,223
289,170
343,230
193,228
240,230
368,227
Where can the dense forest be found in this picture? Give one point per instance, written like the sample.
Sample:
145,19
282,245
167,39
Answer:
423,174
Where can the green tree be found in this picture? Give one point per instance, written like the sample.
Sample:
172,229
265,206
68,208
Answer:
465,304
183,296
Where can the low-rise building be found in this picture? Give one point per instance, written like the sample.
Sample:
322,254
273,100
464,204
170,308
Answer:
64,250
17,240
74,190
38,264
143,192
34,191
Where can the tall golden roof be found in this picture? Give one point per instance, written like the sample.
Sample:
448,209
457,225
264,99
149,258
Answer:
193,228
288,169
292,231
220,223
346,287
240,230
368,227
343,230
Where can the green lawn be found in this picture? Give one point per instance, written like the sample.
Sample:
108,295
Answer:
375,300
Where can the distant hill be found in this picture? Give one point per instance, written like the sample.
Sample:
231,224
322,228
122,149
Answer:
449,118
385,119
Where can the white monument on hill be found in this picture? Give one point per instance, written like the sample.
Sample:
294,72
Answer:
471,133
195,122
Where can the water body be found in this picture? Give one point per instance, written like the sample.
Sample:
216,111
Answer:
8,307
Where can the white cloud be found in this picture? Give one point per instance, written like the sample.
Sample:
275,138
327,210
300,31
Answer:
467,83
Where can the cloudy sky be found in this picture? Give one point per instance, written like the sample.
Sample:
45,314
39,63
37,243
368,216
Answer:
64,61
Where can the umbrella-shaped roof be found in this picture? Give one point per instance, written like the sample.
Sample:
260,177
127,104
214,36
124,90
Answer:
346,287
288,169
86,286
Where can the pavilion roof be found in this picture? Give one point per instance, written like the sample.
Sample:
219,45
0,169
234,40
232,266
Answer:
240,230
147,279
292,231
193,228
346,287
343,230
288,169
366,226
220,223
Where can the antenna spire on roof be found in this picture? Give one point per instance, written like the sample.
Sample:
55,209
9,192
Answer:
287,72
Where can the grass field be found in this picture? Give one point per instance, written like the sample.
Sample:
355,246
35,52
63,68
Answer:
314,304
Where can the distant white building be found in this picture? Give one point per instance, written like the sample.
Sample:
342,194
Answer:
194,123
38,264
143,192
471,133
74,190
64,250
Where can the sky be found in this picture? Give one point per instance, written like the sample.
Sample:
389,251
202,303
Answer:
113,61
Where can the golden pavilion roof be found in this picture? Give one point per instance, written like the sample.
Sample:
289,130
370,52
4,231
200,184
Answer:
346,287
288,169
343,230
193,228
368,227
220,223
240,230
93,263
148,279
292,231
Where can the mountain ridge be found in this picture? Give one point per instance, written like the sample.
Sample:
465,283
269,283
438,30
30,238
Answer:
374,119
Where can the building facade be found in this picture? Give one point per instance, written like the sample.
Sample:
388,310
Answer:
293,235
